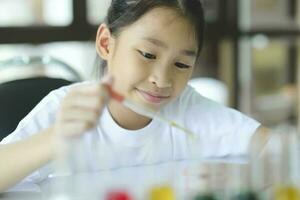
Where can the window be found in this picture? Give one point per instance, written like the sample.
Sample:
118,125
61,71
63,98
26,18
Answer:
97,10
35,13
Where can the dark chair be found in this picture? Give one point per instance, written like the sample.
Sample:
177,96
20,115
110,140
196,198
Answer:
24,81
19,97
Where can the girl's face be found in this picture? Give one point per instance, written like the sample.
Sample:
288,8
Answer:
152,60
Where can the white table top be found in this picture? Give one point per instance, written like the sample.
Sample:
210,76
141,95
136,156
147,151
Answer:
185,177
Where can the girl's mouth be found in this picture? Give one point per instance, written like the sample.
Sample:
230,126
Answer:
152,97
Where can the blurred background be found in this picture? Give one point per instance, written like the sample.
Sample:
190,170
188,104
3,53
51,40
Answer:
250,61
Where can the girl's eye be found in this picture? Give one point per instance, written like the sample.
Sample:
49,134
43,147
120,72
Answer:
182,66
147,55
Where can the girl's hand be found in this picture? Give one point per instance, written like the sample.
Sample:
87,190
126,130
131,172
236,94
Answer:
80,110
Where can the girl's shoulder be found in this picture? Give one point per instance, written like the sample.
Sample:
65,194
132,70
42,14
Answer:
219,126
191,106
52,101
41,116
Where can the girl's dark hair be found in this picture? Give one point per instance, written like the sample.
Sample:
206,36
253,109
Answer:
123,13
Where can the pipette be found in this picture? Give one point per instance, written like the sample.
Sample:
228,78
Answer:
146,111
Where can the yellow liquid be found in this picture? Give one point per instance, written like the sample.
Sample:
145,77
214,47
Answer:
287,193
162,193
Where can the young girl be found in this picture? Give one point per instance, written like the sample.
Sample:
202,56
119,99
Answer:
150,48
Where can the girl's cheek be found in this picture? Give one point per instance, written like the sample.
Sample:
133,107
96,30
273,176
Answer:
140,65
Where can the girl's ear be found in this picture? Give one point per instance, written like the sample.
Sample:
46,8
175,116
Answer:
104,41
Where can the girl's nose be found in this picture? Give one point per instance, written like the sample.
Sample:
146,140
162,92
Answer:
161,78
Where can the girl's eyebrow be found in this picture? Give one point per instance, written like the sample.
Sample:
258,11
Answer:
161,44
156,42
190,53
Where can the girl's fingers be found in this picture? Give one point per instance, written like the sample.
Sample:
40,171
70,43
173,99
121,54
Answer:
107,79
91,89
74,128
85,102
80,109
81,115
87,89
92,96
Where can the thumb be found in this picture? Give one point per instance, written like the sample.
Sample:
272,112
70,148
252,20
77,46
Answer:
107,79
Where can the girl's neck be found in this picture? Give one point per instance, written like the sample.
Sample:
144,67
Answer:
126,118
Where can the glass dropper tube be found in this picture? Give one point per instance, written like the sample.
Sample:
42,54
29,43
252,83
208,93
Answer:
146,111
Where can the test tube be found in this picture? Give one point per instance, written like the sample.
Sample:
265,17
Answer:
199,180
204,197
288,187
118,195
71,167
162,193
267,167
256,172
241,183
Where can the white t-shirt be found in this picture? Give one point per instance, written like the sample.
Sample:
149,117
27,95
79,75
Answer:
220,131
